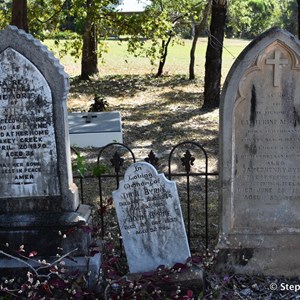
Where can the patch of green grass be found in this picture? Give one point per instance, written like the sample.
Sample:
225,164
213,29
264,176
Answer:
119,61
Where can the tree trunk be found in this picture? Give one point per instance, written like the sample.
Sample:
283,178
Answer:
89,61
163,57
19,14
198,29
212,84
192,53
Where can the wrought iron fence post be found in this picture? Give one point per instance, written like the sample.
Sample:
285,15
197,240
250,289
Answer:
188,161
116,162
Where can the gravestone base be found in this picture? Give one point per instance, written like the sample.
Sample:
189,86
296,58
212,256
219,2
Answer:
44,232
192,279
270,255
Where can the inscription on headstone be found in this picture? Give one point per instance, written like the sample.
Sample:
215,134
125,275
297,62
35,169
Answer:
37,195
27,142
260,160
150,219
35,165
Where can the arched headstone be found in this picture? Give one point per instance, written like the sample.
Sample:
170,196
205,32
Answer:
260,158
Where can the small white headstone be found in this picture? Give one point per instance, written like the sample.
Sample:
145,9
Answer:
150,219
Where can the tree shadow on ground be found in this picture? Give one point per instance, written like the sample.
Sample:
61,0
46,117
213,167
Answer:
124,85
157,113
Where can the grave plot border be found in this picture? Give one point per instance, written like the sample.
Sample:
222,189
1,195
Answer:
117,171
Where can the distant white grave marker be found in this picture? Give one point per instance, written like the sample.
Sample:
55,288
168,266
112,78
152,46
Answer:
150,219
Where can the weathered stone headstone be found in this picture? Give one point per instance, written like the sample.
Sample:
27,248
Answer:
37,194
260,160
150,219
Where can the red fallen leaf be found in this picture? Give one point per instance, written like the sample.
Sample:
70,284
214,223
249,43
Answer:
46,288
32,254
24,287
57,283
197,259
110,201
178,266
113,260
70,230
102,210
109,247
94,252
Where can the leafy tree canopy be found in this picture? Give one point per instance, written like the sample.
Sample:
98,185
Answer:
248,18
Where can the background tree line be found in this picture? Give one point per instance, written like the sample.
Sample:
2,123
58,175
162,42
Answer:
84,25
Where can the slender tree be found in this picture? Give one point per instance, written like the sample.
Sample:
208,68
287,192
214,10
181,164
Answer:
19,14
198,28
160,24
89,61
212,81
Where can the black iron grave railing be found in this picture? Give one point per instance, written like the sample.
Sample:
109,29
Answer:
187,163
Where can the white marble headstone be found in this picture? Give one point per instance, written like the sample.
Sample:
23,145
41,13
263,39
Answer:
150,219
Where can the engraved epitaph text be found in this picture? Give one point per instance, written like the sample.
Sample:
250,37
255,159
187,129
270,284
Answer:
150,219
260,159
27,141
266,169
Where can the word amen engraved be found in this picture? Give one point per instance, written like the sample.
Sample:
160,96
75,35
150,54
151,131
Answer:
150,219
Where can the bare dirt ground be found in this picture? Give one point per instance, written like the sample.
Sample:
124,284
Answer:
157,113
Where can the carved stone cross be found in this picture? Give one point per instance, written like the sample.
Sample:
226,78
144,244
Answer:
277,62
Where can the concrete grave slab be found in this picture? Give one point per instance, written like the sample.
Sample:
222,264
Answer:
95,129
